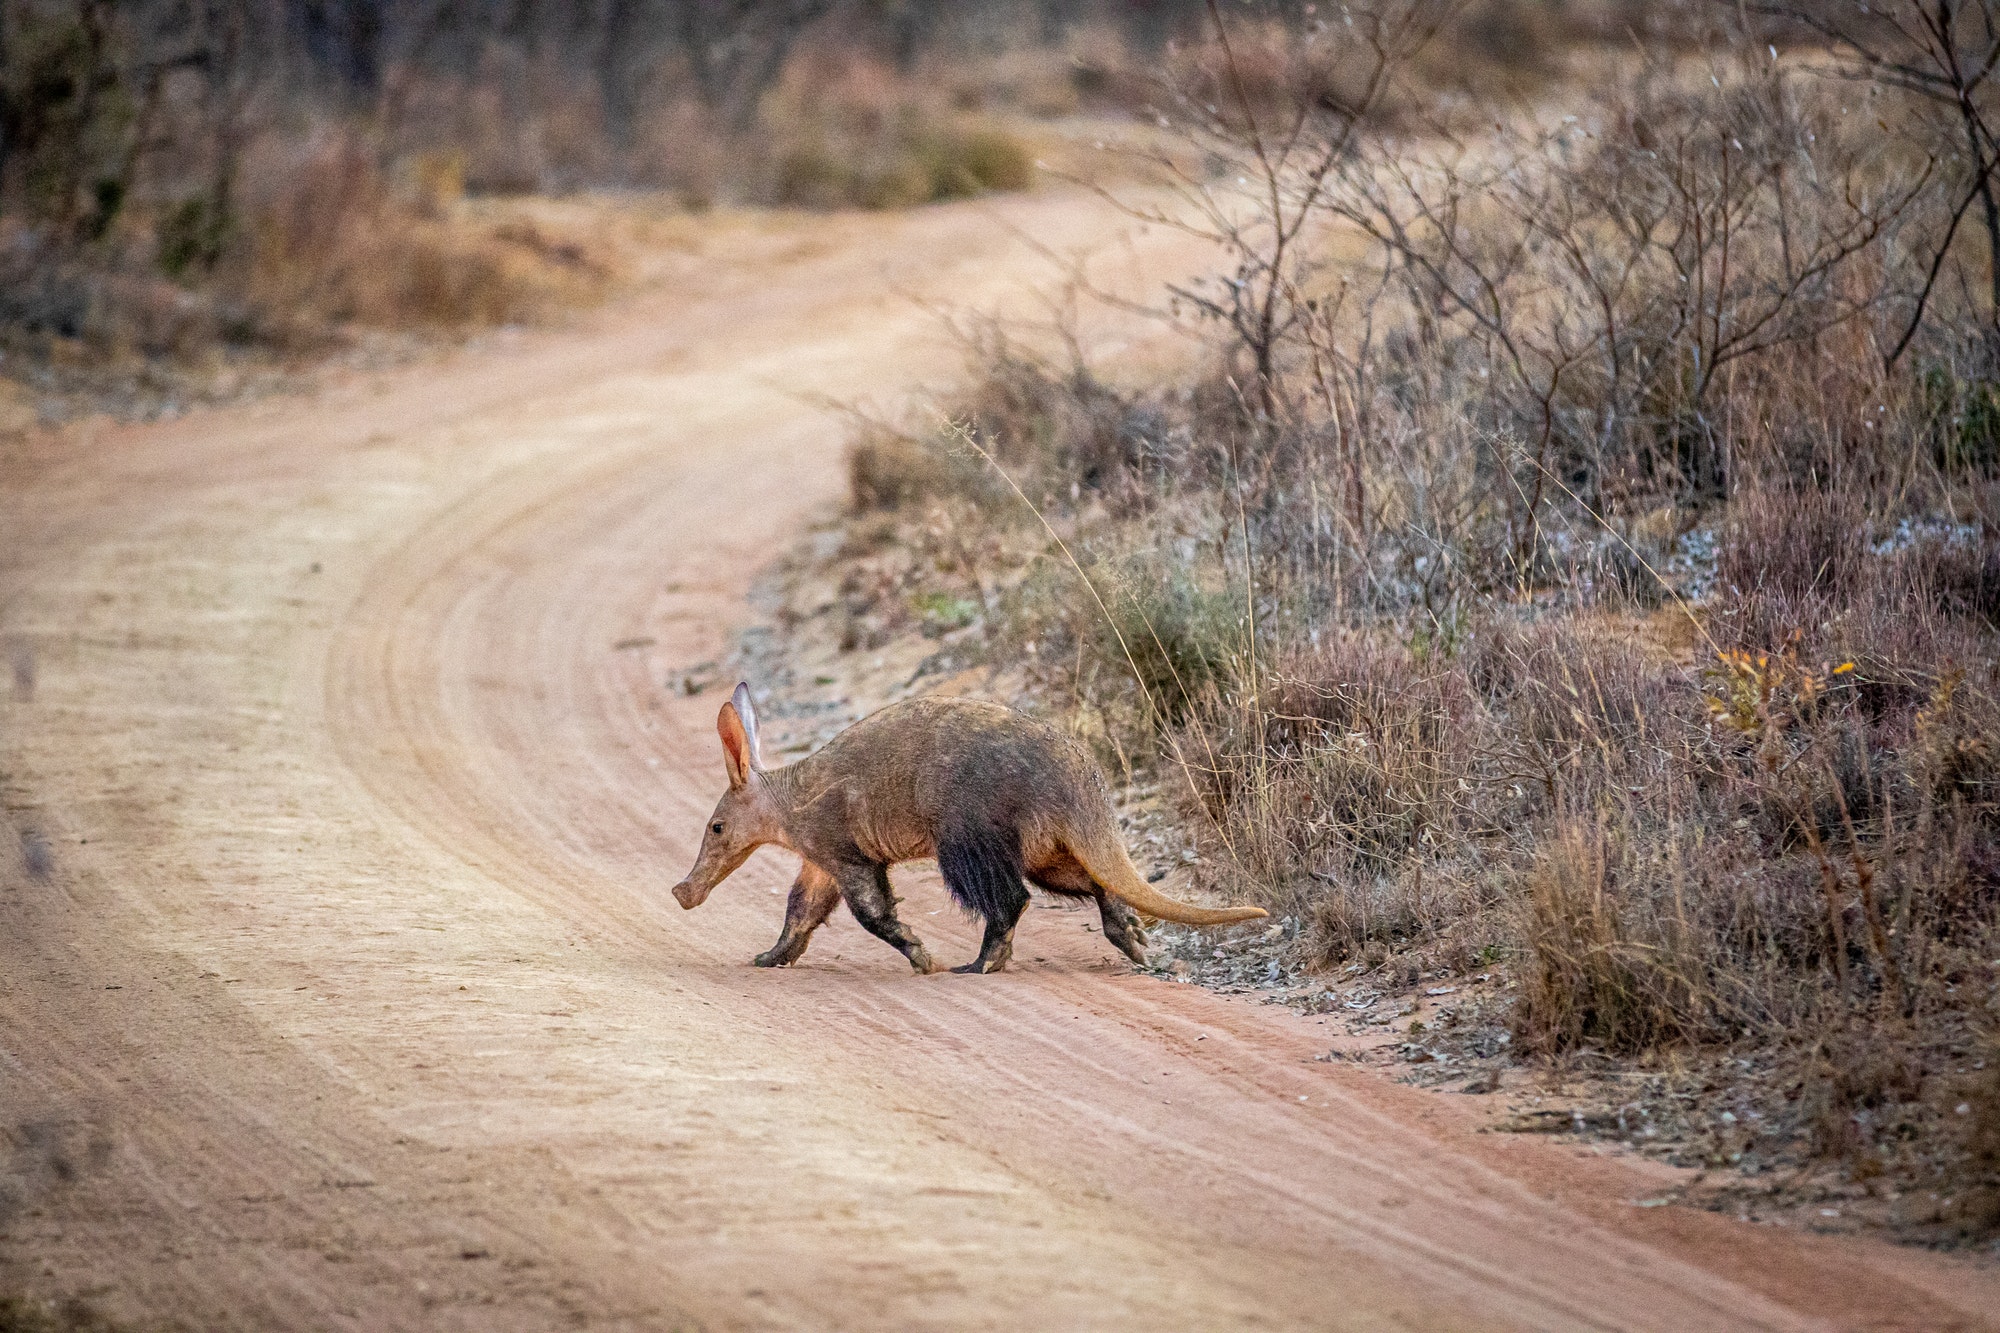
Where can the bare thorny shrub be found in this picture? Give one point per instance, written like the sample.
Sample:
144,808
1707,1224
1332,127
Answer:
1614,290
1568,564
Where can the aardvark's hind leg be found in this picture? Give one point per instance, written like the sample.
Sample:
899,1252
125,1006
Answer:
1065,874
998,947
982,869
866,888
1122,928
814,894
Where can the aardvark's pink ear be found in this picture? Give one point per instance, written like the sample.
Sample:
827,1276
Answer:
737,725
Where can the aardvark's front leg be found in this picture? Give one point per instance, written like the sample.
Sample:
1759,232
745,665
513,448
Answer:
869,897
814,894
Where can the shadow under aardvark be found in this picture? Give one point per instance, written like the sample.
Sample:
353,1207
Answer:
994,795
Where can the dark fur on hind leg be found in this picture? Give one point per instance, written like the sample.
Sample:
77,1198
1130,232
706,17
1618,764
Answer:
982,870
994,951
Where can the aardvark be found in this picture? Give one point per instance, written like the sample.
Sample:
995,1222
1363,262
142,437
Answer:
993,794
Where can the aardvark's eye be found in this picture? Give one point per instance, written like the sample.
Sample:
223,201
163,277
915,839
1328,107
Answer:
716,827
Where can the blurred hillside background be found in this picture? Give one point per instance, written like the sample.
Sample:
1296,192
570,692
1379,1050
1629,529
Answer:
189,179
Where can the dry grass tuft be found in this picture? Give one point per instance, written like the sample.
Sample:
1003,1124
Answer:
1601,965
889,470
844,131
332,242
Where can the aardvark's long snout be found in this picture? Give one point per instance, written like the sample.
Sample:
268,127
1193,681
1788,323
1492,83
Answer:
713,865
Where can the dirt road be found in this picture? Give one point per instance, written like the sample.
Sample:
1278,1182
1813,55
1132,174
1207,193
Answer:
340,988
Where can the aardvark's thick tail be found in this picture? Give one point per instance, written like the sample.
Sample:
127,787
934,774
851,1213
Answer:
1114,872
